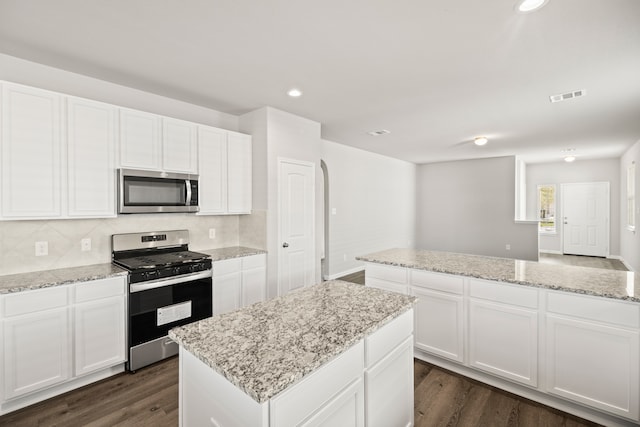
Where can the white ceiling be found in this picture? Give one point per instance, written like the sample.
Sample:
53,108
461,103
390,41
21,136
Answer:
434,73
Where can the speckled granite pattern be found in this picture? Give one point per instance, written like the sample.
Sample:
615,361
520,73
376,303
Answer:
584,280
63,276
266,347
231,252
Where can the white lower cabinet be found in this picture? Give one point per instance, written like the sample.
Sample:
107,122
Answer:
387,278
595,363
36,351
99,325
45,330
238,282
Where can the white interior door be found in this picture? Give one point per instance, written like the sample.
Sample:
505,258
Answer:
296,216
585,214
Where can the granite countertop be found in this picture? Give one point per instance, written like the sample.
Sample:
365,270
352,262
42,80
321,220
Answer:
266,347
43,279
583,280
231,252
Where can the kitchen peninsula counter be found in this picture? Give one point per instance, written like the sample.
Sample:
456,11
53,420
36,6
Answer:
266,349
622,285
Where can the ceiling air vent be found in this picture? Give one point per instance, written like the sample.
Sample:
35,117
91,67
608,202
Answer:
568,95
378,132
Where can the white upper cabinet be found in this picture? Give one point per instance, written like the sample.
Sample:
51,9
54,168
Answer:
212,168
224,161
140,143
31,153
239,173
91,143
179,146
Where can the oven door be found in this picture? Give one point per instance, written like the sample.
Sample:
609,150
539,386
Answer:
154,310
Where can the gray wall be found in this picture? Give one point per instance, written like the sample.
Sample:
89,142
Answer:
601,170
630,240
468,206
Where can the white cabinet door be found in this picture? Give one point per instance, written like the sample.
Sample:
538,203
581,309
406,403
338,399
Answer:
253,285
239,173
31,153
503,340
99,334
91,133
36,351
179,148
389,389
140,143
439,323
593,364
226,292
345,409
212,169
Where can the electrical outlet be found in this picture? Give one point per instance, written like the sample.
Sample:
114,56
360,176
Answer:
212,233
507,247
42,248
344,257
85,245
334,211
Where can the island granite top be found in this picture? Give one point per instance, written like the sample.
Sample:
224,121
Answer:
622,285
266,347
63,276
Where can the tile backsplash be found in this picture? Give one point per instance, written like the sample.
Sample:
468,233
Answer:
17,238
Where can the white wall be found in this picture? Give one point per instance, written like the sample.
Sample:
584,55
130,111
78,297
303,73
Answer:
469,206
602,170
278,134
374,201
630,240
41,76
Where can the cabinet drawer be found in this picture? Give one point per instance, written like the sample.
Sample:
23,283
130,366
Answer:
36,300
254,261
387,286
297,402
501,292
594,308
385,272
97,289
437,281
227,266
385,339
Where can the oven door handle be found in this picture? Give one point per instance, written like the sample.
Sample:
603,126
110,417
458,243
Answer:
153,284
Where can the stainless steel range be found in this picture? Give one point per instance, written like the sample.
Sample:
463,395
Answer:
169,285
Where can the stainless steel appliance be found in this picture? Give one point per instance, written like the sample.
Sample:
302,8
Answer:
141,191
168,286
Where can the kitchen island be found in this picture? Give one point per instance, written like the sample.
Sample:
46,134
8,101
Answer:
565,336
331,354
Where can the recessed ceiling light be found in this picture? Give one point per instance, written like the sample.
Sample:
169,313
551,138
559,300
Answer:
378,132
569,159
481,140
294,93
526,6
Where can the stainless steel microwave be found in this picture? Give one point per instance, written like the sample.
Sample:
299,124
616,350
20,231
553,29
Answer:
141,191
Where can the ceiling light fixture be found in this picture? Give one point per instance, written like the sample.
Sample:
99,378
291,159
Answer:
569,159
481,140
526,6
294,93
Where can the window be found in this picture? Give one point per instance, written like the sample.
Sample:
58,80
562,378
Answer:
631,197
547,208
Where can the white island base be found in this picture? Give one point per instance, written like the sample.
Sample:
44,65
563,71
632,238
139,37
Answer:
369,384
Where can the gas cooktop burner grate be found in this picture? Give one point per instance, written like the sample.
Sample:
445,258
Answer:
160,260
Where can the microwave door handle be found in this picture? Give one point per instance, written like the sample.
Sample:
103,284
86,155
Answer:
188,184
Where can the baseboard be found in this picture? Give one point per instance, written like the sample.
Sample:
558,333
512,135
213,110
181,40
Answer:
549,251
625,263
344,273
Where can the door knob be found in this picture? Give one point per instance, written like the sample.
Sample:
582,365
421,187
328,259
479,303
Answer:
285,245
